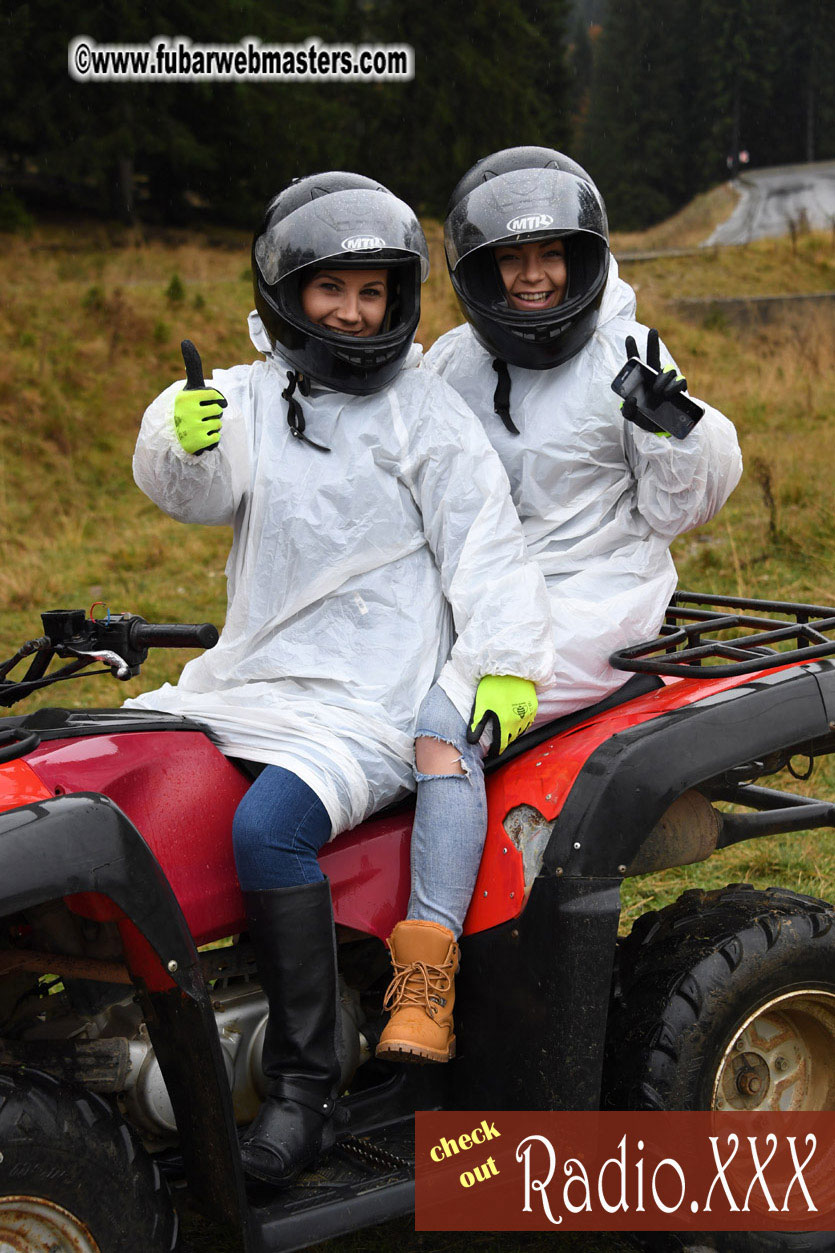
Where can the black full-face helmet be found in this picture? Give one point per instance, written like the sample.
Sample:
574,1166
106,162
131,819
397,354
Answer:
340,220
511,197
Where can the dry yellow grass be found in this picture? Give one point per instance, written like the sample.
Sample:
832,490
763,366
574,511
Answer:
80,366
438,307
690,226
91,325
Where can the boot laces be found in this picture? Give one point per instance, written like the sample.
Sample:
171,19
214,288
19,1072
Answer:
418,985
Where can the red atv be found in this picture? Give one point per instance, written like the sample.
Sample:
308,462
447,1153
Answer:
130,1038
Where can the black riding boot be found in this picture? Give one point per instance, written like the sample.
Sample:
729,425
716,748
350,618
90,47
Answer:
295,948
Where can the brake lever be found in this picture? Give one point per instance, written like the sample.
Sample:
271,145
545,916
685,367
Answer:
119,668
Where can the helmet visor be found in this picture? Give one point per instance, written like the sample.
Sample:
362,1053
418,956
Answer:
358,226
523,205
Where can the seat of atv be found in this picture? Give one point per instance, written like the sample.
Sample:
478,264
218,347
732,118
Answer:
638,685
52,723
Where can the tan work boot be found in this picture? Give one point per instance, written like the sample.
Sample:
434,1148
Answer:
421,994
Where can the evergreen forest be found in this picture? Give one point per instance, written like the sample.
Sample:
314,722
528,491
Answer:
657,98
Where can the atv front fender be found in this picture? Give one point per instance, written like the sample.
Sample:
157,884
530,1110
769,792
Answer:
84,843
631,780
550,970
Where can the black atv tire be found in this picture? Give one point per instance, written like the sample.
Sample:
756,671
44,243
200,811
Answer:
693,981
76,1170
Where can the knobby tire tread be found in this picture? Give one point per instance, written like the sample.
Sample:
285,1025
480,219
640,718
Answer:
50,1112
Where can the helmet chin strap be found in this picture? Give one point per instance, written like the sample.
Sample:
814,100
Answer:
501,396
295,413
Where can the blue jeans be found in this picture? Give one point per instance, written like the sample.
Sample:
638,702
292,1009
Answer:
280,826
277,832
450,821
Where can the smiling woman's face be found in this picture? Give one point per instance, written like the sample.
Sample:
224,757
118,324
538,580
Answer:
534,274
351,302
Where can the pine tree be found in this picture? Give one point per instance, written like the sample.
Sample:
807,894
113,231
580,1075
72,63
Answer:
679,89
487,76
579,65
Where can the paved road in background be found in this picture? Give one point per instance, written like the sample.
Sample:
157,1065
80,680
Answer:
773,198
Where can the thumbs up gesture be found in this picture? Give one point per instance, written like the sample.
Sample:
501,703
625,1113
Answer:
198,409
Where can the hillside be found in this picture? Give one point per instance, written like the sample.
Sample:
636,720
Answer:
91,324
92,321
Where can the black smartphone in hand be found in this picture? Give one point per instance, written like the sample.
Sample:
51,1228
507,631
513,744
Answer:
676,416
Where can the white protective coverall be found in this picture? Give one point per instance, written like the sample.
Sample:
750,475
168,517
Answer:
341,561
600,499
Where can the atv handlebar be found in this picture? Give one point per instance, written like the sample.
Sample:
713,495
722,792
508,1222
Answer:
127,634
158,635
120,641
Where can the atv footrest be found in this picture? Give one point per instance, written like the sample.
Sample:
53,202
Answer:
363,1181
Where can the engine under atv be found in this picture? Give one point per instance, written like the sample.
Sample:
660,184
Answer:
57,1014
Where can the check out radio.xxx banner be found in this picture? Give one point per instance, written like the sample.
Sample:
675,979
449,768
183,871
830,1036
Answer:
548,1171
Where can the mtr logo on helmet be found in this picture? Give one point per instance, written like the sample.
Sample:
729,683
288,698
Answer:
533,222
363,243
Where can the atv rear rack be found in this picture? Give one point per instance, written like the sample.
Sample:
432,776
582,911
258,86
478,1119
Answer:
761,632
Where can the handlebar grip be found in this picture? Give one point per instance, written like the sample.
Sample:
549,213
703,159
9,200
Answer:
173,635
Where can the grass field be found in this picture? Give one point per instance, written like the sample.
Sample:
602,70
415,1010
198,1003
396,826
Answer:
91,322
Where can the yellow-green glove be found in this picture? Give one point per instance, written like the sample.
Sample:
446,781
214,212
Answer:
197,408
507,704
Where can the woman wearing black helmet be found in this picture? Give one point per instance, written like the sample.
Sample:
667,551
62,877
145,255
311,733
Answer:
600,492
361,491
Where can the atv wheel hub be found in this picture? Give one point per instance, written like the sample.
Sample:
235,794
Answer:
40,1226
783,1058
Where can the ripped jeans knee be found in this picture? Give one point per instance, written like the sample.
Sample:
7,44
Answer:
437,758
441,728
450,817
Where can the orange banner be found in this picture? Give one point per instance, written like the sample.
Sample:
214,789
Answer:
547,1171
